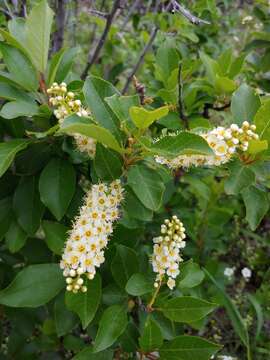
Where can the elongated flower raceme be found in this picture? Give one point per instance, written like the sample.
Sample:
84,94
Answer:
66,105
225,143
167,247
84,249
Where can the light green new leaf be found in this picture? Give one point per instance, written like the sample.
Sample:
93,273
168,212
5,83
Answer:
111,326
12,40
262,121
151,338
55,236
37,31
33,286
139,285
233,313
186,309
241,176
257,205
245,103
57,186
19,67
257,146
8,151
181,144
75,124
86,304
125,263
147,185
143,118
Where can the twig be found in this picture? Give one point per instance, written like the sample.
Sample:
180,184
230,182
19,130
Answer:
99,14
187,14
130,12
181,105
102,39
208,106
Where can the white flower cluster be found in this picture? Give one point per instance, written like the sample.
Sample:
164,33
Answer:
67,105
224,142
166,256
84,249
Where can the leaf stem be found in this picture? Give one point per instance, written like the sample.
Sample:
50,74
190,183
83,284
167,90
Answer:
152,301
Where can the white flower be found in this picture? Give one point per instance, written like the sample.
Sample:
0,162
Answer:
84,249
246,272
228,272
166,251
225,143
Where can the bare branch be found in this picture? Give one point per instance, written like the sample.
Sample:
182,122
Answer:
102,40
187,14
99,14
181,105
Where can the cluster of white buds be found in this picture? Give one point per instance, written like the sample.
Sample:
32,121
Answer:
225,143
166,256
66,105
84,249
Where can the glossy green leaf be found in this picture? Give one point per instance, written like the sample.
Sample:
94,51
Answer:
188,348
27,205
190,275
8,151
186,309
138,285
181,144
75,124
86,304
151,338
18,108
135,208
57,186
241,176
257,205
15,237
112,324
54,65
19,67
151,188
6,215
125,263
33,286
37,32
262,121
66,63
88,354
107,163
143,118
95,91
55,236
245,103
64,319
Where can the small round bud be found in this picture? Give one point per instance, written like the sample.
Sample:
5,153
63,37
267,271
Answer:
72,273
84,289
253,127
69,288
80,281
69,280
77,102
80,271
245,124
77,287
156,285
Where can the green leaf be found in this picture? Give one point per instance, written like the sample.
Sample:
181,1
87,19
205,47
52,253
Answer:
18,108
55,236
95,91
37,31
120,105
15,237
151,189
112,324
225,85
232,311
212,67
241,176
64,319
188,348
107,163
257,205
257,146
14,41
259,313
88,354
57,186
75,124
181,144
262,121
125,263
27,205
54,65
187,309
5,215
134,208
8,151
143,118
66,64
16,27
19,67
86,304
151,338
9,92
190,275
245,103
139,285
33,286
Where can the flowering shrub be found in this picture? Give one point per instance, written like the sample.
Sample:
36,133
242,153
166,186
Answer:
134,226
